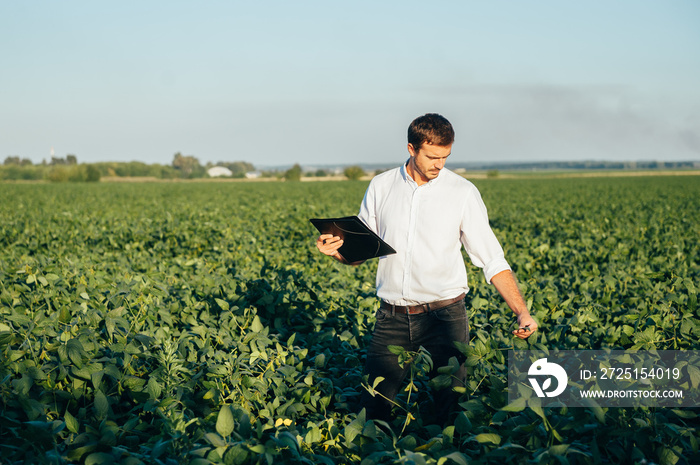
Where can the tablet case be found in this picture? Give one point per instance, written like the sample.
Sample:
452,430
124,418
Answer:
359,242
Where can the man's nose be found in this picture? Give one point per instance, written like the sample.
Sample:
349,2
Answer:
440,164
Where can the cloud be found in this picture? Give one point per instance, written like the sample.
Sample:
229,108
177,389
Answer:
548,122
691,138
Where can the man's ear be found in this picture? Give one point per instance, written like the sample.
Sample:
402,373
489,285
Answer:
411,150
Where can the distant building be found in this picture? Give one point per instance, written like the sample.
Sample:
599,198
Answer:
219,171
253,174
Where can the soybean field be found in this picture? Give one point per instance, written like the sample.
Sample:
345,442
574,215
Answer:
196,323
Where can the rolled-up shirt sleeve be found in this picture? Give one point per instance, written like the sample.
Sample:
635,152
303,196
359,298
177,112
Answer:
478,238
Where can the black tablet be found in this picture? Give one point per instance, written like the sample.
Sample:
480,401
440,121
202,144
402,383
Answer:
359,242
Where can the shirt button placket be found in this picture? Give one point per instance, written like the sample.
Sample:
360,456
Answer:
412,220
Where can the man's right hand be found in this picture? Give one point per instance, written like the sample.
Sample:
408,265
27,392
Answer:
329,244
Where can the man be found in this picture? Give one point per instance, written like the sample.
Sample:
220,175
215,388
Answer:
427,213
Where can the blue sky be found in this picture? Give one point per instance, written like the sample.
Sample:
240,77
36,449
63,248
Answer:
323,82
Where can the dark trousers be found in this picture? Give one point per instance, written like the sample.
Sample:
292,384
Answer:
436,331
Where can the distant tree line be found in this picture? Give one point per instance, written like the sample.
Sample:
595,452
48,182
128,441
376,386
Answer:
189,167
296,172
182,167
57,170
69,170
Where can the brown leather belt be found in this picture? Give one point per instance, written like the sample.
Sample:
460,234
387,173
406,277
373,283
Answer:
421,308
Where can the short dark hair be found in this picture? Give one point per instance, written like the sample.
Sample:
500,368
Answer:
430,128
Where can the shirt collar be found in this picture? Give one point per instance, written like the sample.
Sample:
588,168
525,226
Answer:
407,177
404,171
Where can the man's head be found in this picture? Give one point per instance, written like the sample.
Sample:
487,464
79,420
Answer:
430,139
431,129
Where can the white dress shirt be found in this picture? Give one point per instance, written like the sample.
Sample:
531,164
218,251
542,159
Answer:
427,226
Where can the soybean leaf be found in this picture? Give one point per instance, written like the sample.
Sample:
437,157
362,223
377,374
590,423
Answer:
224,421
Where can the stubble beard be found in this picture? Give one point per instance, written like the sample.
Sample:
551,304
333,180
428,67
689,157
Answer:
414,167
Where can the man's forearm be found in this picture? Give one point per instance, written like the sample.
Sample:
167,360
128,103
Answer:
507,286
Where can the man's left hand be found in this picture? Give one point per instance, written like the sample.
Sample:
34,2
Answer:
527,326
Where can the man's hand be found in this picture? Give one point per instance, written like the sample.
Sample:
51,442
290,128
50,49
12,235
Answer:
508,288
527,326
329,244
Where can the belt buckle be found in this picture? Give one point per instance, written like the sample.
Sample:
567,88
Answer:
419,309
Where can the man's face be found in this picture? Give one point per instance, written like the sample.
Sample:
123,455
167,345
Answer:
426,164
